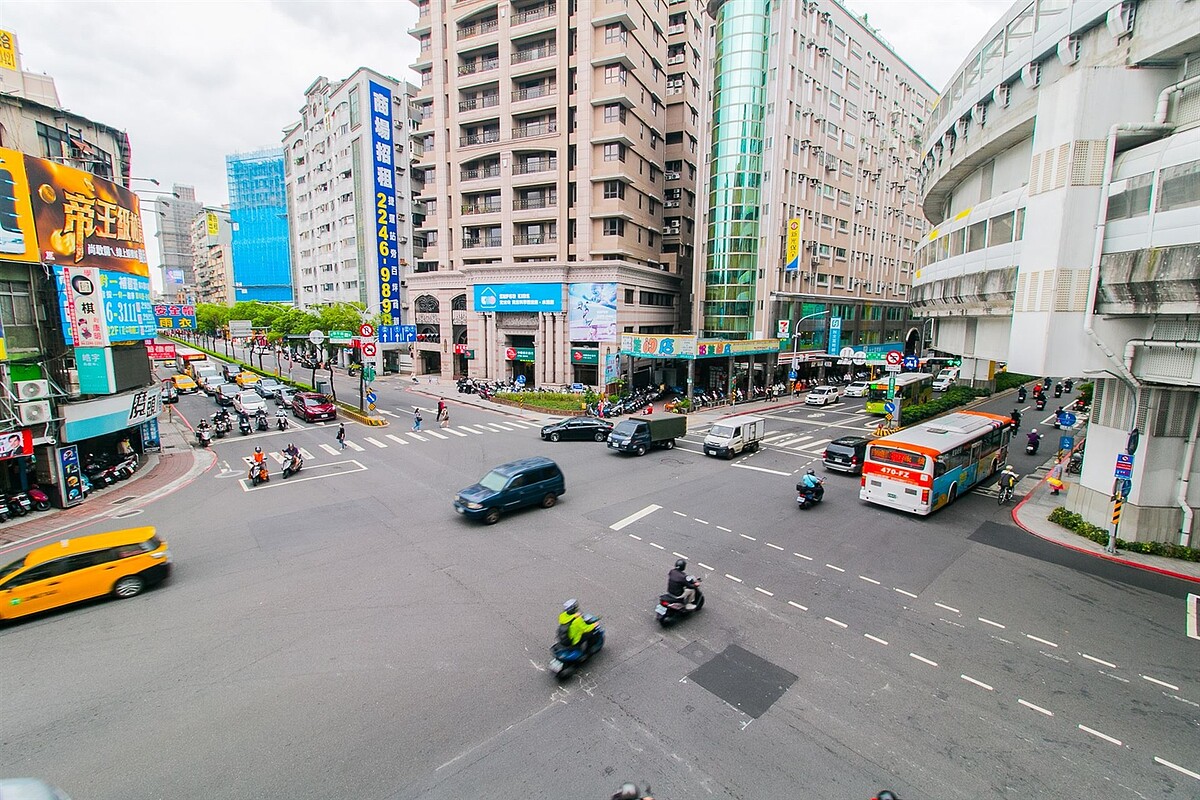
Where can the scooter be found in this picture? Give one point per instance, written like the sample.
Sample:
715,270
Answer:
671,608
40,500
1058,389
244,425
1040,402
568,658
293,466
1075,463
1031,447
806,498
5,515
1021,395
19,504
259,474
204,436
281,420
260,422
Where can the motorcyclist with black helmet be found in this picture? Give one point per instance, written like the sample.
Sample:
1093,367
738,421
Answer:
679,585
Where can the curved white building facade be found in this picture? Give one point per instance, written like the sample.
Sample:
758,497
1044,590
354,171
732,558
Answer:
1061,175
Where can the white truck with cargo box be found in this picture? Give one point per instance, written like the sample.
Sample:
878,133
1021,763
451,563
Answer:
735,435
639,434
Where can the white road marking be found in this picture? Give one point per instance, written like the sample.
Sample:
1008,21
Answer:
839,623
764,591
1043,641
948,608
503,426
280,458
1100,735
634,517
1193,614
387,413
922,658
633,536
797,605
679,513
308,476
869,580
810,445
875,639
355,446
1099,661
760,469
801,555
1114,677
417,436
659,546
831,566
906,594
722,528
456,433
437,435
981,684
701,521
1039,709
471,430
706,566
776,437
733,578
329,449
375,441
1177,768
678,555
1170,686
989,622
306,455
397,439
775,546
744,536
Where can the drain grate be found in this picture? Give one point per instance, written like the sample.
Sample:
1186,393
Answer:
133,512
124,499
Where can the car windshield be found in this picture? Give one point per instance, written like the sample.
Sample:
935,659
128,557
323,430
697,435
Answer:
628,427
9,569
315,401
493,481
723,431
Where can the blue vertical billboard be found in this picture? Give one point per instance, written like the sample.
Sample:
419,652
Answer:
385,205
835,335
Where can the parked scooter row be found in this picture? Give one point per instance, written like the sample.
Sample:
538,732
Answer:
106,470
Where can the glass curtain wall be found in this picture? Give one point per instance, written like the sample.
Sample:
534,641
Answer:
735,183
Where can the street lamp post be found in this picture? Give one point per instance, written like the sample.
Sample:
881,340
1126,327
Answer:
796,332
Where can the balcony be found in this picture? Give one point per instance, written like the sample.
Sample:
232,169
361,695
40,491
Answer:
535,129
534,53
671,175
535,165
476,103
480,65
534,238
678,28
478,28
526,204
533,14
484,207
472,242
486,137
534,92
478,173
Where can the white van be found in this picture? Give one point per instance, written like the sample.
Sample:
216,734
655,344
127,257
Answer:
945,379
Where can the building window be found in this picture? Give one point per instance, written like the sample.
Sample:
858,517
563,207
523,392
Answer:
614,227
614,33
1000,229
1180,186
614,151
614,112
614,190
629,297
355,106
977,236
70,148
614,73
1133,200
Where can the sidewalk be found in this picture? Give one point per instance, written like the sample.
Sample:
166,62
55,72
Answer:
162,473
1031,514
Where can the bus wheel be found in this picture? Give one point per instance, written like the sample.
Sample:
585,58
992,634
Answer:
953,493
995,466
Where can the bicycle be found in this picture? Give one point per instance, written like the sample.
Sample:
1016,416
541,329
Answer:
1005,494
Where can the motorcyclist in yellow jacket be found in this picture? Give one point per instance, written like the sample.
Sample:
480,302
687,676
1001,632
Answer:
571,625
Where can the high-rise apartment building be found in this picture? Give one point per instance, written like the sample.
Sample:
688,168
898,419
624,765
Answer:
559,170
174,235
261,254
349,153
211,242
811,220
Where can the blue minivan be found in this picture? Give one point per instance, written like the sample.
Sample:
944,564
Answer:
528,482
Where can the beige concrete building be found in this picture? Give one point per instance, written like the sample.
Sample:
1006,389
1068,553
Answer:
212,259
552,221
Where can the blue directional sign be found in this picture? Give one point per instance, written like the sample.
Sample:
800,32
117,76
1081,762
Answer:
792,374
1124,466
395,334
910,362
371,397
889,408
520,380
1066,443
1066,419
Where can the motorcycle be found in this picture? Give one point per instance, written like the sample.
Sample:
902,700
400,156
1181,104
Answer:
1040,402
244,425
1075,463
281,420
1031,446
40,500
807,497
1058,390
1021,395
293,466
99,473
19,504
260,422
568,658
259,474
5,515
204,436
671,608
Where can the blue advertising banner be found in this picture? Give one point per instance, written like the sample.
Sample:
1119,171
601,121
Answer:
95,370
385,205
151,440
592,312
835,335
519,297
71,484
125,298
178,318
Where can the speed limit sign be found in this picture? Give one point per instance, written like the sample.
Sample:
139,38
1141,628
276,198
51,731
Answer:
366,330
368,349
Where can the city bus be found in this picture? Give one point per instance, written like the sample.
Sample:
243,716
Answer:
922,468
913,388
185,356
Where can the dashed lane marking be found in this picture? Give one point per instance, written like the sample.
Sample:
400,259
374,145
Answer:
923,659
1099,661
906,594
659,546
1043,641
764,591
1177,768
744,536
1038,709
839,623
679,513
980,684
951,609
831,566
875,639
794,604
1100,735
1170,686
733,578
986,621
801,555
706,566
760,469
869,580
775,546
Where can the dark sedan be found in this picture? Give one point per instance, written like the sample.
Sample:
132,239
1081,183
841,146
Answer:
580,428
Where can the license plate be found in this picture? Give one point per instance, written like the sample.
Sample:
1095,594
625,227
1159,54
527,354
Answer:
556,665
661,611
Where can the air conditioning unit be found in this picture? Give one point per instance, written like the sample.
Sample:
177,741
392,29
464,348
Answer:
1002,95
815,260
34,413
32,390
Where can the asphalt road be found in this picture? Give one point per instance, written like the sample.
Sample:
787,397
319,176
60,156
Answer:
344,634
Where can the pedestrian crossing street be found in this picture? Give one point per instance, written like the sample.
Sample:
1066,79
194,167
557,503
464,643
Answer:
381,441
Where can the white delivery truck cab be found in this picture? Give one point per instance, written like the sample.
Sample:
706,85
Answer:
734,435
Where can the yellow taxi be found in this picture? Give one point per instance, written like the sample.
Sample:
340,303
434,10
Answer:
247,379
119,563
184,384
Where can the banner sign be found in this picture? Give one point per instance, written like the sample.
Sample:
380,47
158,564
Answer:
612,368
791,258
592,312
109,414
127,314
387,261
18,235
15,444
518,297
518,354
691,347
160,352
212,224
151,440
835,335
8,51
585,355
71,484
95,370
179,318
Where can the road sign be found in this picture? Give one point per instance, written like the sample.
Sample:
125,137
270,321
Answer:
369,349
1066,443
340,337
893,367
368,373
792,374
371,406
1066,419
911,362
520,380
860,357
366,330
1124,466
371,398
316,337
894,357
889,408
510,354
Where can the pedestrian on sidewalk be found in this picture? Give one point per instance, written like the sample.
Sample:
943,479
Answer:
1054,479
341,435
416,418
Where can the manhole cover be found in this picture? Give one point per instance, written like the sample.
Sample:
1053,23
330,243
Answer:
124,499
742,679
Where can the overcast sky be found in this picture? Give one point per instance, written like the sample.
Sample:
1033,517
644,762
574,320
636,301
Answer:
194,81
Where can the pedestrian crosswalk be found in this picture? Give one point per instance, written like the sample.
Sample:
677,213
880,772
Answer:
797,441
